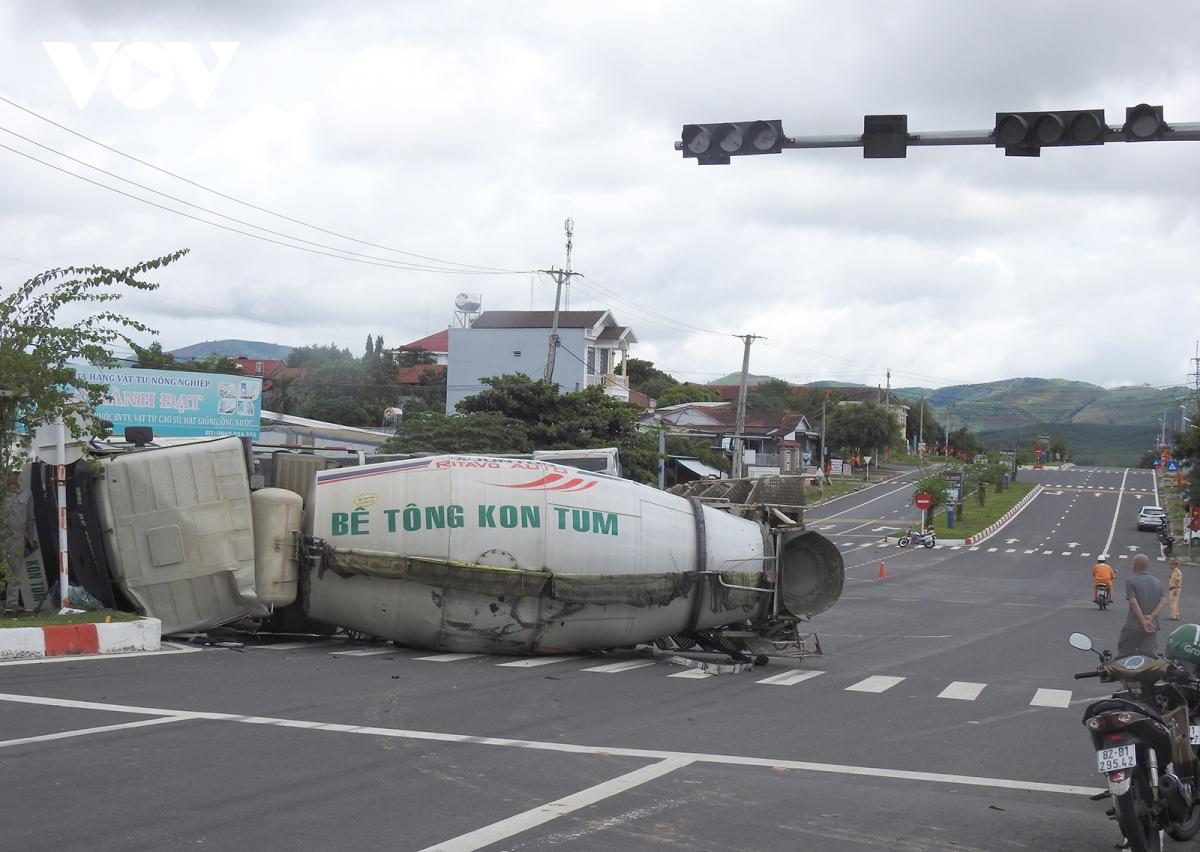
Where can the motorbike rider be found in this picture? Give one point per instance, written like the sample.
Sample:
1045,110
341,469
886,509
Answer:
1102,572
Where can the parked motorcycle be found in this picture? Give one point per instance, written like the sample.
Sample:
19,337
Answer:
1142,736
926,538
1167,541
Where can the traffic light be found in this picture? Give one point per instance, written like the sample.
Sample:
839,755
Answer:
1024,134
715,143
1144,123
885,136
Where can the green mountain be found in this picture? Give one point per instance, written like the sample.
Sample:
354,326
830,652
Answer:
233,349
1029,402
1111,426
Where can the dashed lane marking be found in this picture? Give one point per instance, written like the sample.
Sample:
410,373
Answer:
362,652
962,690
789,678
1060,698
624,666
447,658
875,683
536,661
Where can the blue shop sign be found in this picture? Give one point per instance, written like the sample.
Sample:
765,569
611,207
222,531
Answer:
178,404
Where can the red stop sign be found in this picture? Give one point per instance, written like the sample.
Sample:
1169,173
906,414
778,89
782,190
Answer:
923,501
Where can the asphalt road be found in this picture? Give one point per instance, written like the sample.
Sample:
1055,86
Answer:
942,716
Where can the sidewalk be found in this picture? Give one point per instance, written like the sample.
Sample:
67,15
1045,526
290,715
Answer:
23,643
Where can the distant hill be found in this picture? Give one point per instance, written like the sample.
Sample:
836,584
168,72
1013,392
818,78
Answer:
233,349
752,380
1027,402
1103,426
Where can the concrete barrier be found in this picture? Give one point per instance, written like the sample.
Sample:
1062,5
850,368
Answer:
22,643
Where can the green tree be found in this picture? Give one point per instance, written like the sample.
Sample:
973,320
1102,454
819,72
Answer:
966,443
771,395
482,432
934,484
864,428
680,394
412,356
37,348
314,356
929,429
579,419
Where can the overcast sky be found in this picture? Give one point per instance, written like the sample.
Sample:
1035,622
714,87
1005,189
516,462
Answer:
467,132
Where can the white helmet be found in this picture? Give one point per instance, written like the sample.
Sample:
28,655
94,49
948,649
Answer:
1102,558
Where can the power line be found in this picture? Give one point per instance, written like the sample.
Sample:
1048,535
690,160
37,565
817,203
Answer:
246,203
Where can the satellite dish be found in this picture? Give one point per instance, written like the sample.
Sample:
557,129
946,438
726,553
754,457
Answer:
468,302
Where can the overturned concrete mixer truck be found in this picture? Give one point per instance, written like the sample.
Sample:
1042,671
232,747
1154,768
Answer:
471,554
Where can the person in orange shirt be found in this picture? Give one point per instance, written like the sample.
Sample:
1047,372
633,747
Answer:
1102,572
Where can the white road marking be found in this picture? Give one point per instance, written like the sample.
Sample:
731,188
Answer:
1011,550
447,658
1028,551
84,658
284,646
536,661
962,690
623,666
992,549
83,732
504,829
1067,553
695,674
875,683
570,748
1051,698
362,652
788,678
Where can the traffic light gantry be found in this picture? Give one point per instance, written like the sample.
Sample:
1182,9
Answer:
1020,134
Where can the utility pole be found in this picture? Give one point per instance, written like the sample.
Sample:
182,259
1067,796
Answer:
560,276
921,429
740,423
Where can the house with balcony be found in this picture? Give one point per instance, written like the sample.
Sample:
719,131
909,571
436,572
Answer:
591,351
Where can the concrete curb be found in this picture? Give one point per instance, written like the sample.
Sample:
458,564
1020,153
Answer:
987,532
23,643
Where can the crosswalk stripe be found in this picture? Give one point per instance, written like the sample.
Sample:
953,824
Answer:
447,658
362,652
962,690
624,666
875,683
536,661
788,678
695,674
1051,698
283,646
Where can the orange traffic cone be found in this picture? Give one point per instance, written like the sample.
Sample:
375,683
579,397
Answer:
882,570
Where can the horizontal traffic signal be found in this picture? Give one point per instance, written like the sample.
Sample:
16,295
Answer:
1143,123
1024,134
716,143
885,136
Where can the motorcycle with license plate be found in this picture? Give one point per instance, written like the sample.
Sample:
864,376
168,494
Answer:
926,538
1103,598
1146,737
